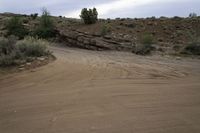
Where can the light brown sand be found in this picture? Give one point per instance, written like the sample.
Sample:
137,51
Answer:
103,92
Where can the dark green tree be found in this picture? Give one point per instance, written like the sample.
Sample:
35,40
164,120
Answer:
46,26
95,14
89,16
15,27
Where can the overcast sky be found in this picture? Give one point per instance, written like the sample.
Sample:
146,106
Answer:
106,8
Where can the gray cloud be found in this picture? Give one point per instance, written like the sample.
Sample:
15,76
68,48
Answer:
107,8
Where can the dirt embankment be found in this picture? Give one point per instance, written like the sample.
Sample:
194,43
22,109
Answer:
169,35
102,92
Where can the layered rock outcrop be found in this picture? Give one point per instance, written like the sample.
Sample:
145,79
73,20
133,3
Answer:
79,39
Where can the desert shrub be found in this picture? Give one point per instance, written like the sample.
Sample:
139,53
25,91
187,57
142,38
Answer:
145,47
105,29
6,45
89,16
7,60
147,39
46,26
32,47
130,25
15,27
192,49
12,52
7,51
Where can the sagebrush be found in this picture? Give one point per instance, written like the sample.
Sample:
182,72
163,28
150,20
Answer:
32,47
145,45
192,49
105,29
11,51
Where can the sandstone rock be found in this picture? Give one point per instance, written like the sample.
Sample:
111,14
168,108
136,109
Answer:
178,58
21,68
80,39
107,37
28,63
93,42
41,58
150,23
160,40
86,41
96,34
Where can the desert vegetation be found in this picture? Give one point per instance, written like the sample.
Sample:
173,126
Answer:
46,26
105,29
20,44
89,16
192,48
15,27
145,46
13,52
139,36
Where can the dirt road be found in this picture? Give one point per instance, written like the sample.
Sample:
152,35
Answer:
103,92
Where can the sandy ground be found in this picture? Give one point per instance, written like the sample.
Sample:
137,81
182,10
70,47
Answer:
103,92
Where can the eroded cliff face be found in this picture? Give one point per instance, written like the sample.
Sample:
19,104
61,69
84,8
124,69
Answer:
85,40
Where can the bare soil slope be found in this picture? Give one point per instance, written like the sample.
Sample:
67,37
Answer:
103,92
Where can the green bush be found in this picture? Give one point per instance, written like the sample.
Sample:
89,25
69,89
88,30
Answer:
105,29
12,51
7,51
145,47
192,49
46,26
6,45
15,27
147,39
89,16
7,60
32,47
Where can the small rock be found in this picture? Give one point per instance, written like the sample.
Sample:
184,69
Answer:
92,41
86,41
178,58
150,23
21,68
93,128
97,34
28,63
160,40
32,70
80,39
107,37
41,58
